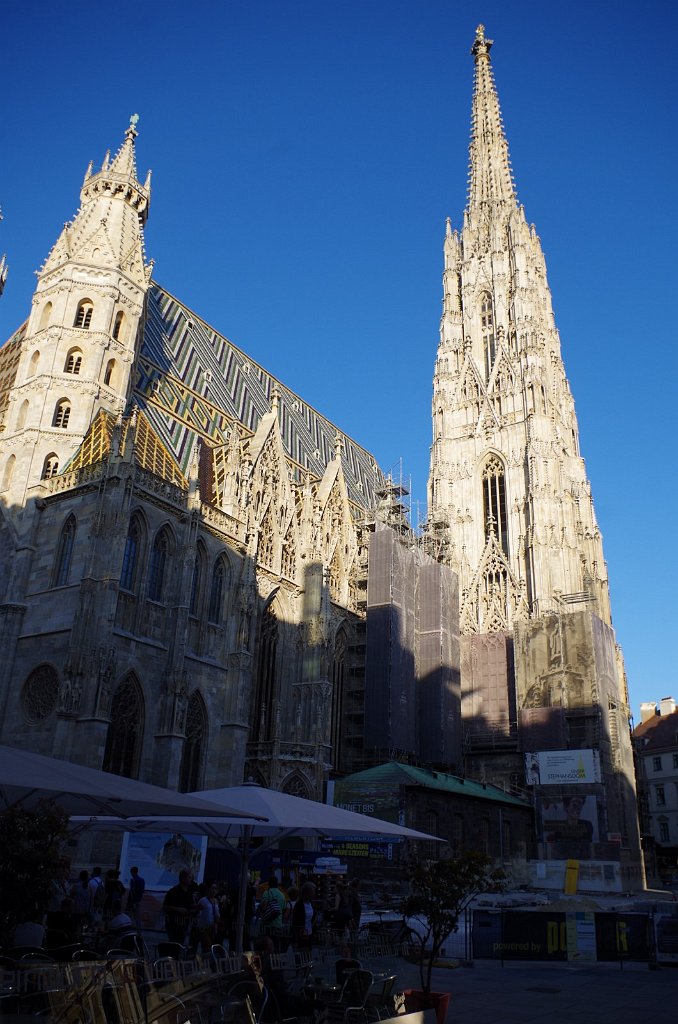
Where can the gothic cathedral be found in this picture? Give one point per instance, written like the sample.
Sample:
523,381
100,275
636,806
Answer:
202,579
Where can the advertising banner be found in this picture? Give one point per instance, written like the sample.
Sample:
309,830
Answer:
571,819
562,767
160,856
556,935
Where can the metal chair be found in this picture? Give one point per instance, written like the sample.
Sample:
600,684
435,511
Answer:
380,1001
85,954
350,1008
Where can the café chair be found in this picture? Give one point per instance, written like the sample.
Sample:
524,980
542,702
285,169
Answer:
84,954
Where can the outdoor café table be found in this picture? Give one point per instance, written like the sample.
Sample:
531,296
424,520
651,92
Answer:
321,990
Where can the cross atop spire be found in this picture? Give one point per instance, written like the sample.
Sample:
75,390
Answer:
491,180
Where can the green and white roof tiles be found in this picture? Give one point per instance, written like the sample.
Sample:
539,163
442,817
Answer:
190,380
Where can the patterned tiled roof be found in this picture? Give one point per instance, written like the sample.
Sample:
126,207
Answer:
193,381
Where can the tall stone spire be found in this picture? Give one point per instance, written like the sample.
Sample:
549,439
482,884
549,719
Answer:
490,175
81,336
540,669
505,437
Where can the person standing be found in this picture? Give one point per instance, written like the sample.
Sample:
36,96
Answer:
206,918
97,896
137,887
179,907
303,916
272,908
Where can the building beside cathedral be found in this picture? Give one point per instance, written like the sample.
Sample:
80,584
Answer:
203,579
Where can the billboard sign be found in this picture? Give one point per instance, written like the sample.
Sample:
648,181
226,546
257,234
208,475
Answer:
160,856
562,767
571,819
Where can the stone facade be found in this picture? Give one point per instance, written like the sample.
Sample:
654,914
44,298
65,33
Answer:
180,534
510,504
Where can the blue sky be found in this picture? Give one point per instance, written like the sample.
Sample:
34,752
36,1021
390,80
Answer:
306,154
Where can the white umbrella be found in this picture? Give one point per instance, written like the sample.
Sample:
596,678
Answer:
293,815
26,778
282,815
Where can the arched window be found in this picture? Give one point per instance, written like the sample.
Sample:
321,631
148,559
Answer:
108,374
338,677
118,325
34,363
130,559
73,361
126,730
158,564
197,580
50,466
21,417
9,472
262,711
39,694
195,745
494,502
83,316
45,315
487,331
218,589
62,414
62,562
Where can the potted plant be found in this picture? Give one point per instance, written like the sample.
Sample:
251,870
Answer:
439,893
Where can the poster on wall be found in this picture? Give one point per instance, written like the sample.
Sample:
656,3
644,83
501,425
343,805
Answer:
160,856
571,820
562,767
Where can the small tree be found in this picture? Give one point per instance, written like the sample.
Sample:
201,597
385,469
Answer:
30,851
439,893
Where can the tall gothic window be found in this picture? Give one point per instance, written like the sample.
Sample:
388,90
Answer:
45,315
83,316
62,563
34,363
108,374
487,331
50,466
338,676
158,565
23,413
218,588
73,361
494,502
130,559
126,730
195,745
9,472
62,414
262,712
197,581
118,325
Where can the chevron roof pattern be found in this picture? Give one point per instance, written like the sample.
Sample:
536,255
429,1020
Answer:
191,381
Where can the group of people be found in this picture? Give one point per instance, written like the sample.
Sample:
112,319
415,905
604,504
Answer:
103,904
198,916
